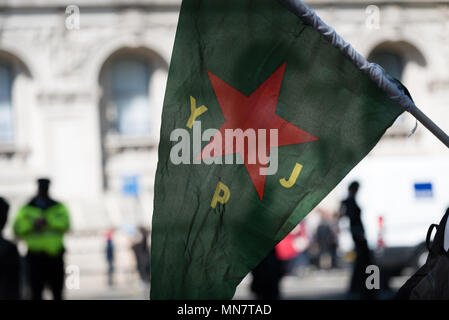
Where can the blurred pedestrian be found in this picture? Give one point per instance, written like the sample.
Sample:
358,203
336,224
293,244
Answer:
334,243
110,256
42,223
142,252
9,261
292,249
300,265
327,240
350,209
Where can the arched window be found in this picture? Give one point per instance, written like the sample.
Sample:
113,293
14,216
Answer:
132,85
392,62
128,110
6,110
395,57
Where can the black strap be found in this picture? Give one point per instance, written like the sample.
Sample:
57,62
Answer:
439,237
429,235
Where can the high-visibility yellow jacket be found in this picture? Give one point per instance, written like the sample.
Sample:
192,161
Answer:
48,240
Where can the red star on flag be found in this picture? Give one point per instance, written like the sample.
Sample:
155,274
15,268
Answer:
254,112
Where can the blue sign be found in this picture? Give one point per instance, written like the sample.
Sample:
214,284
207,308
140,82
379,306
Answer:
130,186
423,190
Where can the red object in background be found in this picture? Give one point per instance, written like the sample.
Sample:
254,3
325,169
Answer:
286,249
108,234
380,237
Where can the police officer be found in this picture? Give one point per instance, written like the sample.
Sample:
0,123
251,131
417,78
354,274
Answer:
42,224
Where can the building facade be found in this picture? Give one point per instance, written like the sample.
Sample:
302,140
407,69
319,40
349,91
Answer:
82,88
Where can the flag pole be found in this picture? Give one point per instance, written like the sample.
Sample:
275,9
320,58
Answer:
429,124
391,86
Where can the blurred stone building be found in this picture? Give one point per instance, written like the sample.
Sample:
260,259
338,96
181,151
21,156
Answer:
81,91
81,96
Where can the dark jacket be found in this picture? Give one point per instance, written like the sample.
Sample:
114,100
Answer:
351,209
9,271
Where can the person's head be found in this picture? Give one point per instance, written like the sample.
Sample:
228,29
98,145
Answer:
353,188
143,230
43,185
4,208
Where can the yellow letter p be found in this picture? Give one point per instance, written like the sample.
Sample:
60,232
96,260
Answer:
222,195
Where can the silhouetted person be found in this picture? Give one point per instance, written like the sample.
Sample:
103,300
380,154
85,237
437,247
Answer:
363,259
267,276
42,224
9,261
142,253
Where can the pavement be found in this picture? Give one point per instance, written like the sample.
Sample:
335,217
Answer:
95,286
312,285
317,285
86,275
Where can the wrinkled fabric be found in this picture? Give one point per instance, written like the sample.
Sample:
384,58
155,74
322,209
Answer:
385,81
201,252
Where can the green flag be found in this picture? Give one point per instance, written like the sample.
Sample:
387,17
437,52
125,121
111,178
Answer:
262,118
